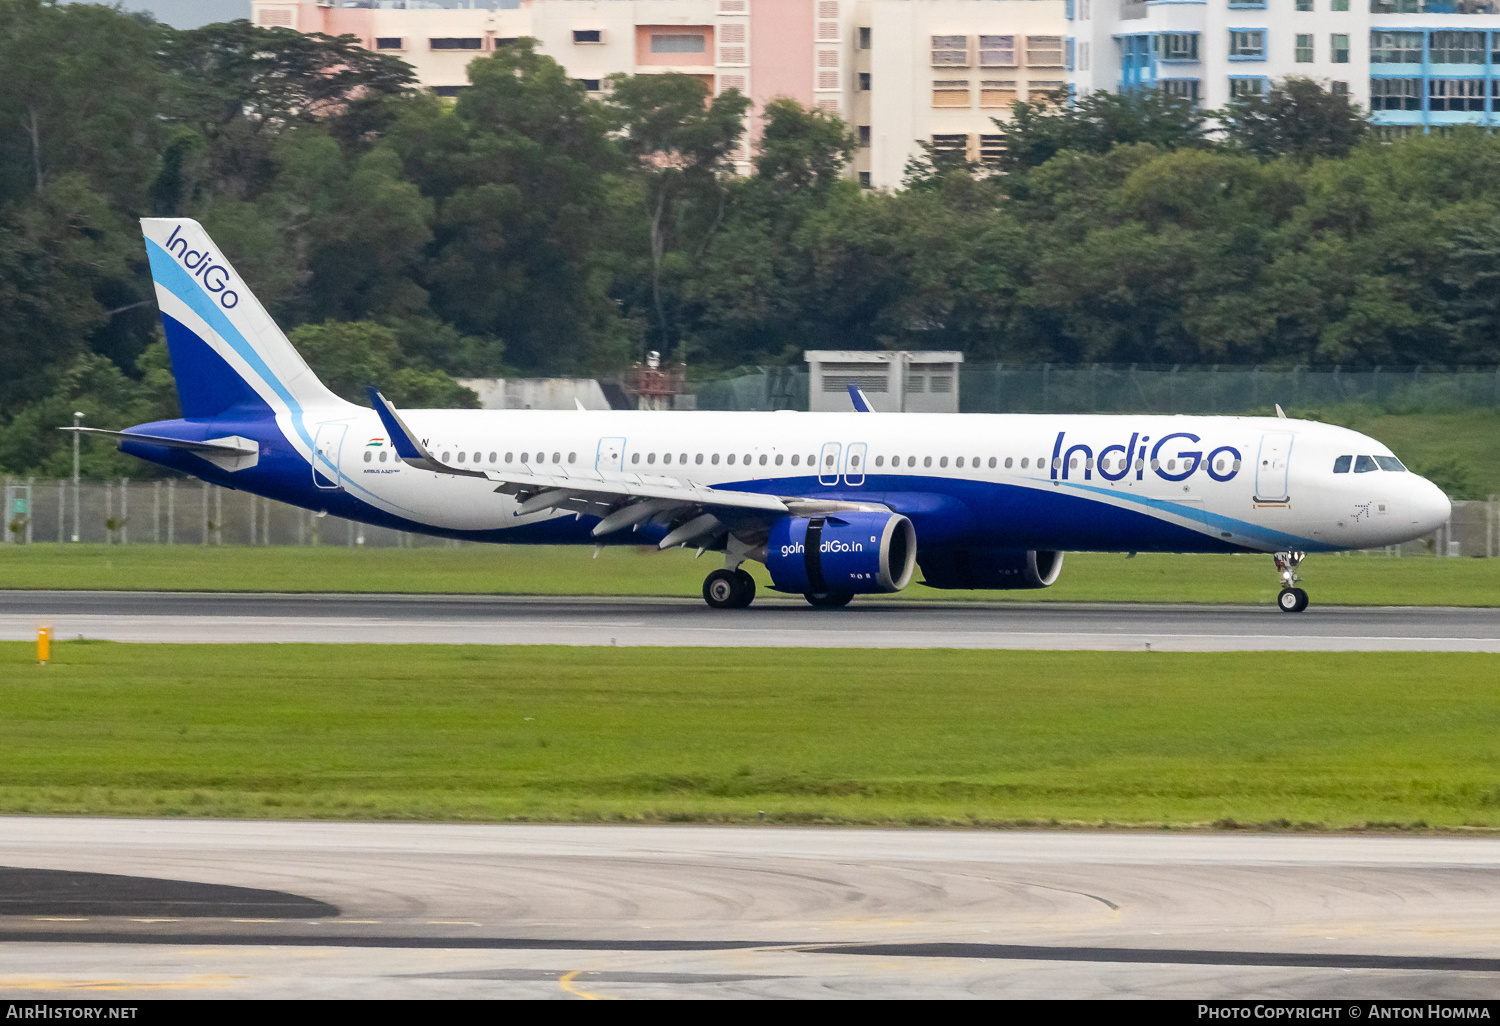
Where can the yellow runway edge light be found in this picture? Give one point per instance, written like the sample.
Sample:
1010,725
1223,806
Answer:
43,644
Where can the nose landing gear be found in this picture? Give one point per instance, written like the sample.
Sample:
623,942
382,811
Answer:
1291,599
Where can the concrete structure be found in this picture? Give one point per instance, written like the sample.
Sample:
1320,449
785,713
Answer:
899,72
893,382
1414,64
537,393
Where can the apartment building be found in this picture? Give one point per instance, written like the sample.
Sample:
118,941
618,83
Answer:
899,72
1413,64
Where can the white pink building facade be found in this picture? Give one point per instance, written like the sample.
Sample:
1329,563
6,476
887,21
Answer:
900,72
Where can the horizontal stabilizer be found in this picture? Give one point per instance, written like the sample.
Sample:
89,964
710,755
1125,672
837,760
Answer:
219,446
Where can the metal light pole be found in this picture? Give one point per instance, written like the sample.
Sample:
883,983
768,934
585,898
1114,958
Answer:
77,514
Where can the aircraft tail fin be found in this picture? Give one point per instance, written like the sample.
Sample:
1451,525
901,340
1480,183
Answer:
225,348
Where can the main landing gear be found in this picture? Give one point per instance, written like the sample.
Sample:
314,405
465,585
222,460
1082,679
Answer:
729,589
1292,599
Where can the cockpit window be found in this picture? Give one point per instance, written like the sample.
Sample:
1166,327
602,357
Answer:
1389,463
1364,464
1341,465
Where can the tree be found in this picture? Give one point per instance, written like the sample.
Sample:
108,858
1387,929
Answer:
1296,118
801,148
350,356
1095,123
681,145
520,169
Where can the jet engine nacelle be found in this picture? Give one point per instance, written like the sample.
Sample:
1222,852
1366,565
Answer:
851,553
995,569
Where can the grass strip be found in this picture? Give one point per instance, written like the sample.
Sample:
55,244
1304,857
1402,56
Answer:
1354,579
1320,740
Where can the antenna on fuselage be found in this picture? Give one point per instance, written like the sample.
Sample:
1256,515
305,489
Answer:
1280,412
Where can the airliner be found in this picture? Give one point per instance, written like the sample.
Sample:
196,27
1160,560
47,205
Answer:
832,504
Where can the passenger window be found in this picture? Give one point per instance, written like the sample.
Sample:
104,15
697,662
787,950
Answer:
1171,464
493,455
795,459
911,461
1073,463
541,457
1386,462
383,455
959,463
747,459
975,463
828,460
461,457
779,458
943,462
1340,465
730,460
880,461
572,457
368,457
715,460
1364,464
698,459
926,461
1219,466
507,457
763,459
651,457
853,461
635,457
667,458
1024,462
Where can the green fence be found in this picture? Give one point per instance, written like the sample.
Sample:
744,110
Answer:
1104,388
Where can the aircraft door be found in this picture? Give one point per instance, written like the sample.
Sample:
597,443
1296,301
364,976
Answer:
828,464
326,448
1271,467
611,455
854,464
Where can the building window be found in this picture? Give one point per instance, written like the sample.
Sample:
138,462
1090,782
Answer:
1455,94
1395,7
590,85
991,149
1046,92
1339,89
864,137
950,93
1247,44
864,38
949,146
588,35
1457,48
997,51
864,81
1044,51
1176,46
457,43
864,183
997,93
449,91
1245,88
1247,5
1187,88
1395,94
505,41
1339,5
1304,5
950,51
388,42
1304,50
678,43
1338,48
1395,48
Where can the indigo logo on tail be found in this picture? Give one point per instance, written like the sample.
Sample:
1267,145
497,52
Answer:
215,277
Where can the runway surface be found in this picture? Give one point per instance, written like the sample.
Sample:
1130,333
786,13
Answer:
414,910
772,621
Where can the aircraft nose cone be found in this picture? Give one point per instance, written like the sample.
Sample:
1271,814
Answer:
1430,507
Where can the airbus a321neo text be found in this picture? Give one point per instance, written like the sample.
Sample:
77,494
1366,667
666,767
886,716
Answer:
834,504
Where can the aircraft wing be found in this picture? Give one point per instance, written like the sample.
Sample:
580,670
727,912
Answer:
695,513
